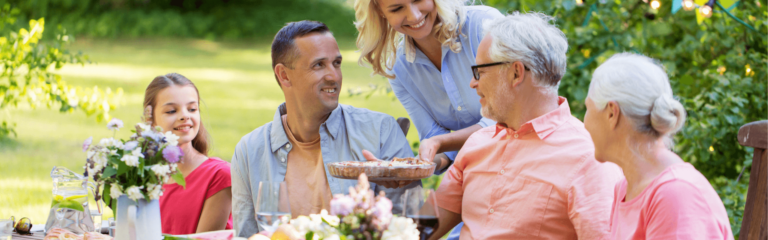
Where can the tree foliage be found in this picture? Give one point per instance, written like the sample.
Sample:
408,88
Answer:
717,70
26,80
209,19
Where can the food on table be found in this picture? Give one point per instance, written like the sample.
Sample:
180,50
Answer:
396,169
283,232
258,237
63,234
95,236
214,235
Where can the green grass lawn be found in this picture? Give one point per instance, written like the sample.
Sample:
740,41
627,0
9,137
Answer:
235,81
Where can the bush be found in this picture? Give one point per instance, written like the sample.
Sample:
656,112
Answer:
25,79
210,19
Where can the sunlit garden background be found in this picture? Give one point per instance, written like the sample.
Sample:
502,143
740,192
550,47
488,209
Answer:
71,65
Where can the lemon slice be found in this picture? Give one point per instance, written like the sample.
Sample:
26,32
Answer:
78,198
72,202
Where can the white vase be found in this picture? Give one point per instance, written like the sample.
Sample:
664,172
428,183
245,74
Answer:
138,220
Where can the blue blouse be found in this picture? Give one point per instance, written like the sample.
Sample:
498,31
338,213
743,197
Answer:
439,102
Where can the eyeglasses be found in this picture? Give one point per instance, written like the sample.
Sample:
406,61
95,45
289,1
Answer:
476,73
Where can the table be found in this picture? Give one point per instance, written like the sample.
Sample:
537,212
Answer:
35,235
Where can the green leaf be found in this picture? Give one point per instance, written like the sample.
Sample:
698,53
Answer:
122,168
687,80
309,235
179,178
109,172
140,169
159,155
171,237
105,194
661,29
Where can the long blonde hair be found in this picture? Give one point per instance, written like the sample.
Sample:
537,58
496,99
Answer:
376,39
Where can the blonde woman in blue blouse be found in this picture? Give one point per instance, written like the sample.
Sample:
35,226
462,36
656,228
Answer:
426,48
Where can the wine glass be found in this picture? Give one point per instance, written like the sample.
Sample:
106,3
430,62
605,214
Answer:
421,205
272,205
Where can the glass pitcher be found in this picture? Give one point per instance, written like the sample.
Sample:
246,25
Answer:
69,208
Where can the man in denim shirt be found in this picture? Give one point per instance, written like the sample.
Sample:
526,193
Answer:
309,130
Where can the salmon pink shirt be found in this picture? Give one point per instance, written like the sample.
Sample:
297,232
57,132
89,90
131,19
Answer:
180,207
679,204
539,182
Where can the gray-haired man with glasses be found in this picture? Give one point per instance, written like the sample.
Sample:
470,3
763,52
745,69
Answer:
534,174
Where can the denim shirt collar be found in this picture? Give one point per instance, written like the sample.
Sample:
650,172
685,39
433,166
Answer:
277,133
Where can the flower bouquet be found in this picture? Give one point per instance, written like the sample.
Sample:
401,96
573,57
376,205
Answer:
136,167
359,215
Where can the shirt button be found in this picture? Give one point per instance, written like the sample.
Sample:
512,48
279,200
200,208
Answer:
287,146
516,135
502,172
459,108
282,159
491,210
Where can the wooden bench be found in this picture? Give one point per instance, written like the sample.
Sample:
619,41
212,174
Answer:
755,222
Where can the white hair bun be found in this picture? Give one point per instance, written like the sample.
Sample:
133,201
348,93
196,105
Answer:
667,115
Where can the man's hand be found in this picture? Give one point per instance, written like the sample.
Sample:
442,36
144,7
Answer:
387,184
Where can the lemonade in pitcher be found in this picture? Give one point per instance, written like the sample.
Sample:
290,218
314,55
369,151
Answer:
69,207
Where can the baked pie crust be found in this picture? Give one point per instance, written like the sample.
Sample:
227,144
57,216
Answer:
396,169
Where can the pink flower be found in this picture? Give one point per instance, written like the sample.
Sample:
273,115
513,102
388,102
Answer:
115,124
172,154
342,205
87,143
382,209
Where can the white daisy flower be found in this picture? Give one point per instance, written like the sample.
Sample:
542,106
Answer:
171,138
115,191
134,193
401,228
155,191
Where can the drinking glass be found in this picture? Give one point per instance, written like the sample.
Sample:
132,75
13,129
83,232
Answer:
272,205
6,228
111,226
96,216
421,205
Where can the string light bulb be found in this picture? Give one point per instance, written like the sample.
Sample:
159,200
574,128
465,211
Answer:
705,11
655,4
579,2
688,5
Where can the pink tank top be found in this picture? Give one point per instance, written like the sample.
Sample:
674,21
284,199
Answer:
180,207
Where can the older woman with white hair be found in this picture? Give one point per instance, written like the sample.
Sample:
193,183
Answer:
631,117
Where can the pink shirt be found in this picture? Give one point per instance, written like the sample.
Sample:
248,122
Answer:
180,207
679,204
541,182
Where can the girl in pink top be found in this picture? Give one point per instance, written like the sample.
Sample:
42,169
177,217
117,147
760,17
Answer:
631,117
205,204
